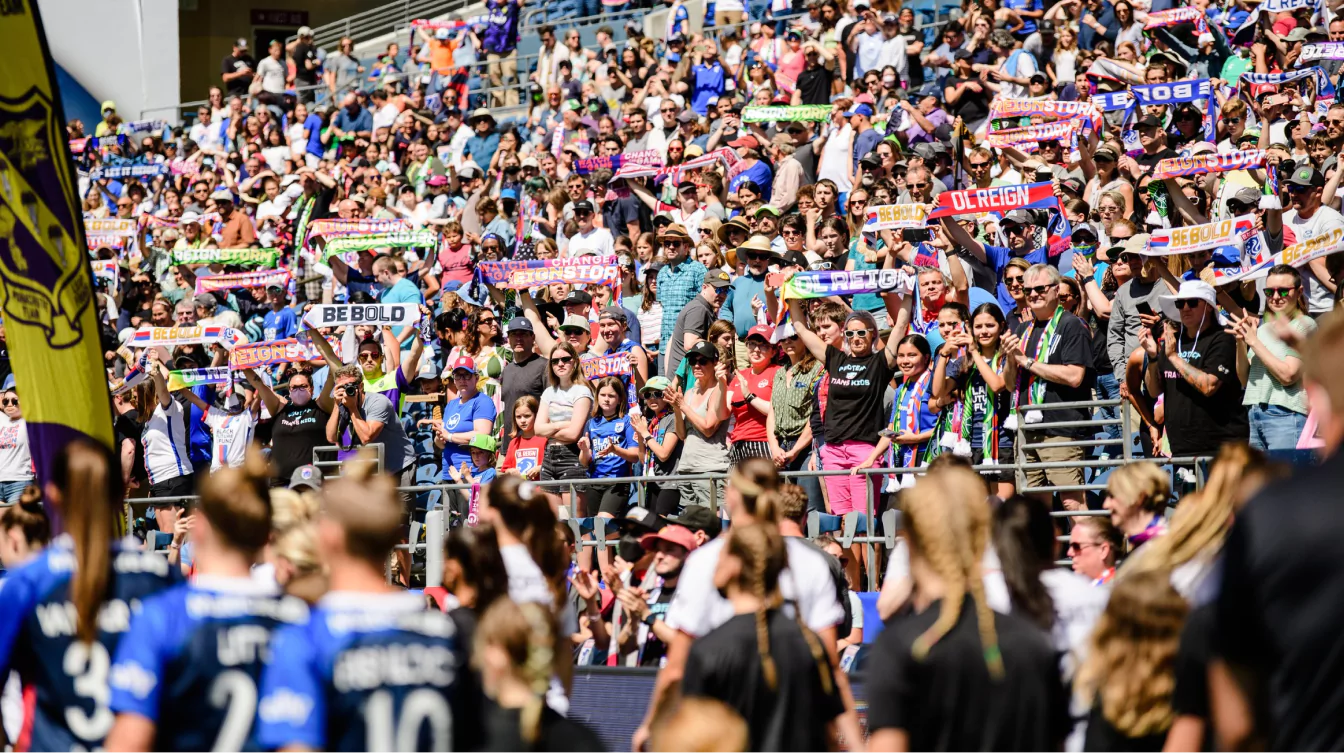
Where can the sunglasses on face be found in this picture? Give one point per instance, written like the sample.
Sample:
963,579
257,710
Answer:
490,321
698,361
1130,259
980,166
1036,289
370,356
1187,303
758,257
1014,280
1293,189
1237,208
862,333
1014,230
1282,293
562,360
918,186
653,394
9,402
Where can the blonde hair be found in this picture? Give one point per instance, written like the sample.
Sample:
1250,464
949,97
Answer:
757,482
1130,667
290,509
237,503
368,508
527,634
1201,522
947,517
1141,484
699,724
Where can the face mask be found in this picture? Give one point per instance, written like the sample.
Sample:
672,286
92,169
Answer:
300,396
1087,250
889,81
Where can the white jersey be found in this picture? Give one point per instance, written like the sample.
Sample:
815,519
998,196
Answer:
232,435
165,439
806,585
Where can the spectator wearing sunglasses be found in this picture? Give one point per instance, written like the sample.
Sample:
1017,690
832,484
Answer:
1310,218
1194,367
1135,306
16,463
748,286
1270,369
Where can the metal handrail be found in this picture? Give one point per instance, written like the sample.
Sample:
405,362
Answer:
389,18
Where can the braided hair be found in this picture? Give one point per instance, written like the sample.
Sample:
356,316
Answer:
947,517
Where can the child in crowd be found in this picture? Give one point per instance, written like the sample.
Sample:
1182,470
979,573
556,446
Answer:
526,448
482,470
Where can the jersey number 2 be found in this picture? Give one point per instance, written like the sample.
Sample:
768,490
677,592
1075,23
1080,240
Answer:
236,690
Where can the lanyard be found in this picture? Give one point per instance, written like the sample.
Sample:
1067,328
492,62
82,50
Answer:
1035,385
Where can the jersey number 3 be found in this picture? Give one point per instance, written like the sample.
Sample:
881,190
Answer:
87,665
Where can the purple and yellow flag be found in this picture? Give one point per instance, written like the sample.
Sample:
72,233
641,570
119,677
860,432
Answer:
46,283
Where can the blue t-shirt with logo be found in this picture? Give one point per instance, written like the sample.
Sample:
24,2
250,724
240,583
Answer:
604,432
460,417
282,324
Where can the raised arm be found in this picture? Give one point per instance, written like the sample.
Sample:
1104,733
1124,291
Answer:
815,346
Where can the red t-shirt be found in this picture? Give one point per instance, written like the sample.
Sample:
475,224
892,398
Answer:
523,454
750,423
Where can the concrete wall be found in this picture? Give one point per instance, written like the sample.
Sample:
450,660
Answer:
120,50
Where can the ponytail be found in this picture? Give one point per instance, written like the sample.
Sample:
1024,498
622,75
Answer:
526,513
757,482
29,517
88,491
528,636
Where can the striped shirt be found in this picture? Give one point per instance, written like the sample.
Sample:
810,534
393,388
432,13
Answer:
1261,387
792,398
677,286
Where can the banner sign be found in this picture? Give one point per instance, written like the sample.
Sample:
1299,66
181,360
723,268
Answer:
1317,74
179,379
1002,107
649,158
332,227
1176,17
1057,131
400,240
1322,51
1178,92
283,351
815,284
1300,254
336,315
1197,238
1209,163
595,367
129,171
106,270
519,274
724,155
115,233
142,127
257,279
995,199
266,258
889,217
171,337
786,113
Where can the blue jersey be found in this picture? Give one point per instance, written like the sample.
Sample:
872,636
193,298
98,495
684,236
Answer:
367,672
192,662
602,433
278,325
65,680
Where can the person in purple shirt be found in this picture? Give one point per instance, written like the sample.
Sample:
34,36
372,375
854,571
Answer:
926,115
500,41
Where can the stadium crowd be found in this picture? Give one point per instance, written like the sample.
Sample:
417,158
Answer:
1023,274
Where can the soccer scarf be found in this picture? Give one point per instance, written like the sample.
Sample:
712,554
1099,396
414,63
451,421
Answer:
254,355
785,113
306,205
954,428
1175,93
1002,107
172,337
889,217
179,379
401,240
129,171
1197,238
814,284
1322,51
257,279
330,228
999,199
1176,17
266,258
1209,163
137,127
649,158
1035,386
338,315
520,274
907,411
1040,132
989,427
1317,74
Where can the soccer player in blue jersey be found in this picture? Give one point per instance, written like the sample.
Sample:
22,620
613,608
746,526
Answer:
63,614
185,677
372,669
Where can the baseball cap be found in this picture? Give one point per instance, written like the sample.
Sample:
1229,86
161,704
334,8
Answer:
1019,217
484,442
576,299
1038,76
463,363
189,217
764,332
717,279
686,116
1307,176
639,520
962,54
207,300
222,195
469,171
613,313
306,476
240,43
107,105
749,141
305,31
583,205
1246,195
704,349
656,383
698,518
575,322
1149,120
520,325
862,109
1106,152
437,180
673,533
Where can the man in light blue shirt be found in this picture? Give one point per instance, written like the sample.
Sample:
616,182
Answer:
390,273
750,285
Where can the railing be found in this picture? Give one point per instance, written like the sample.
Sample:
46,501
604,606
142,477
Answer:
393,17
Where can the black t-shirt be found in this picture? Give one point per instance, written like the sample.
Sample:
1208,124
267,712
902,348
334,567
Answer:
624,210
1071,344
295,432
304,52
971,106
1281,607
1191,695
814,85
1103,737
654,649
518,380
234,64
949,702
1151,161
726,665
1199,424
504,733
854,398
695,317
127,427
